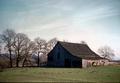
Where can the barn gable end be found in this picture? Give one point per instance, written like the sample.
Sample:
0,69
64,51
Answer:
66,54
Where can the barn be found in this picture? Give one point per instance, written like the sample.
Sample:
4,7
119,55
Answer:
66,54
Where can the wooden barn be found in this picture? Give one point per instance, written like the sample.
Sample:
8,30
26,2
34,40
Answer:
66,54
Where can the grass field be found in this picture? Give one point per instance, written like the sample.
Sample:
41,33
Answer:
93,74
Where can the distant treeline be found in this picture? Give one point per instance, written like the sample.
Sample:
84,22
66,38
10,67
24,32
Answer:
21,51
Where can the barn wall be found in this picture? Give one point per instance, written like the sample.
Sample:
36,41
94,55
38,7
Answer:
63,54
59,55
88,63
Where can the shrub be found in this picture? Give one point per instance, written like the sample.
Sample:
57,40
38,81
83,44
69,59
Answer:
3,64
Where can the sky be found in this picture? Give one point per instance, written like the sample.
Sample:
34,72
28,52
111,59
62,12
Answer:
95,21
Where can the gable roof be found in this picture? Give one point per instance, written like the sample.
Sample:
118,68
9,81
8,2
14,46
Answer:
79,50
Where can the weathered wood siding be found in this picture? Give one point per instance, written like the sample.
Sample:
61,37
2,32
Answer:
88,63
59,55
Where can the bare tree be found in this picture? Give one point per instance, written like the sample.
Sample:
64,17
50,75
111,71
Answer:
28,50
51,44
0,48
0,41
106,52
40,47
83,42
20,41
7,38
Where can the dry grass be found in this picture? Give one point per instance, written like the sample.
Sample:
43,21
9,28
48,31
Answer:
94,74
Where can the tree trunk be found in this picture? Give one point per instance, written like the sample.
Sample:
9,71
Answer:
10,58
17,62
24,62
38,59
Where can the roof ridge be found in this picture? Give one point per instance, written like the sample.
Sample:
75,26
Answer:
71,43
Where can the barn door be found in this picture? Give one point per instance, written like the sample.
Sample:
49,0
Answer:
77,63
67,63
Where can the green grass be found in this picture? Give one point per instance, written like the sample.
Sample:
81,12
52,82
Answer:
93,74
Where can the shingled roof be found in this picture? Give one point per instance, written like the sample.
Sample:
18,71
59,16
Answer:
80,50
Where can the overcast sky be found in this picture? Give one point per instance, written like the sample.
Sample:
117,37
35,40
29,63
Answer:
95,21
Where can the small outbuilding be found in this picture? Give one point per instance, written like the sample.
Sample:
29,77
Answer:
66,54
